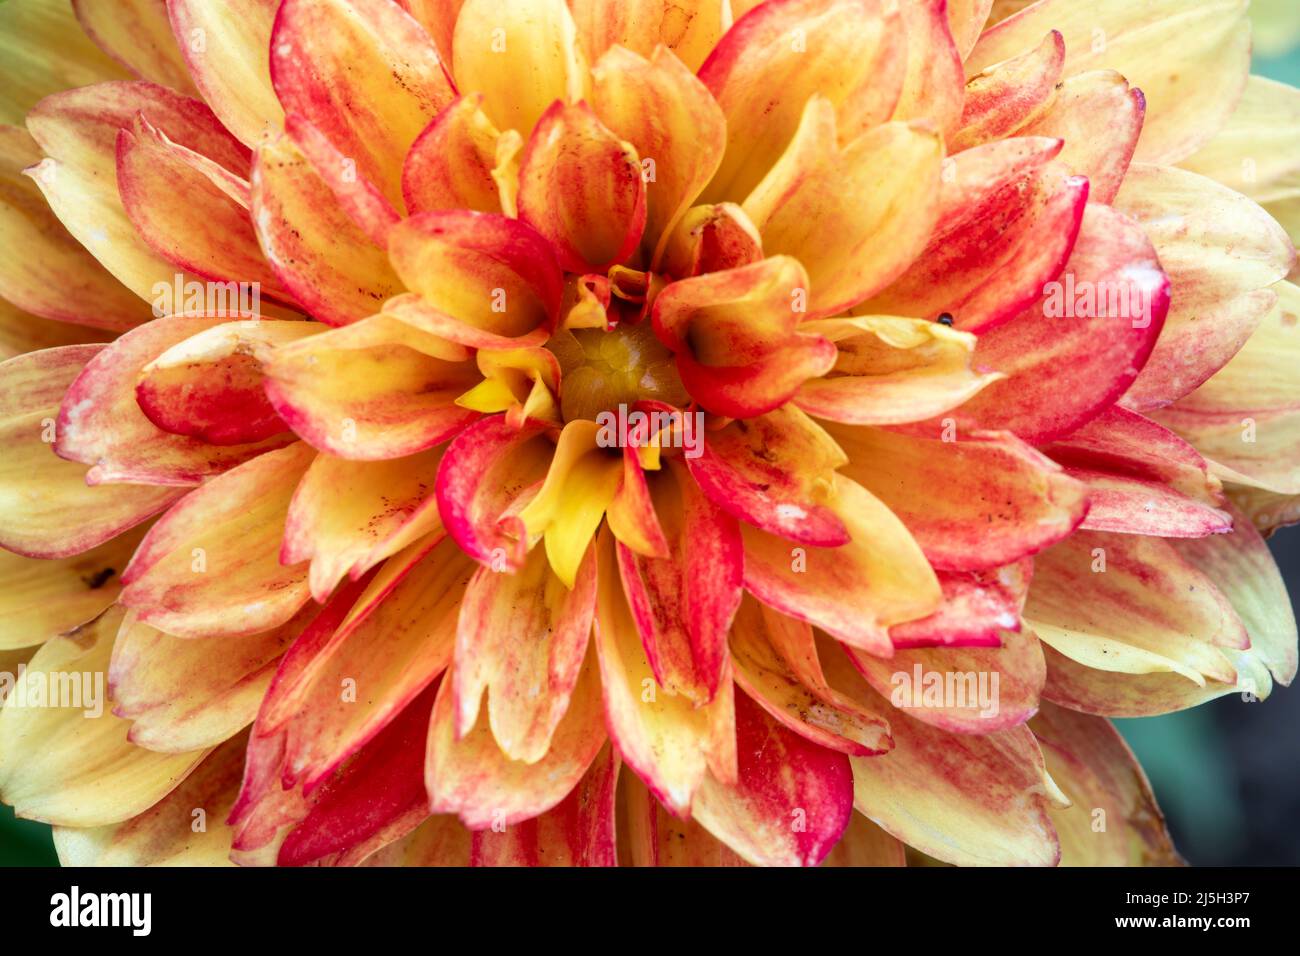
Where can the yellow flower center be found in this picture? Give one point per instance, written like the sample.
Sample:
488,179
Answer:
602,370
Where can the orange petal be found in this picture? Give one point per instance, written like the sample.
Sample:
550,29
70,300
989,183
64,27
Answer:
711,239
46,508
851,52
680,150
372,390
791,801
237,83
474,779
1001,499
182,694
365,74
683,603
450,164
211,565
667,740
649,835
521,637
347,516
522,55
581,187
1007,95
855,591
1063,372
836,209
934,86
485,271
102,425
775,472
865,844
978,608
690,30
578,831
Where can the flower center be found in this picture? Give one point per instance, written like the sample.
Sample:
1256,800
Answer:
602,370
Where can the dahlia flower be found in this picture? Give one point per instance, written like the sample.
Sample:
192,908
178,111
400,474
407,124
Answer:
633,431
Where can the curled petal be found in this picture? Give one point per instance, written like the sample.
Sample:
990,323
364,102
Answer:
451,162
581,187
892,371
711,239
1006,96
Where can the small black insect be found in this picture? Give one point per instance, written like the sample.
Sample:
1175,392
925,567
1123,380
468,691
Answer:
945,318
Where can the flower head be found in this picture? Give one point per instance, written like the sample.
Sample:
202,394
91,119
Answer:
665,433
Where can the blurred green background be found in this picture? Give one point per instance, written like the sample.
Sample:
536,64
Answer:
1226,774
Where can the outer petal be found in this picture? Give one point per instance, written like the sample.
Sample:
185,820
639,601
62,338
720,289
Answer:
136,34
1142,478
102,425
364,73
1007,95
23,332
1000,499
933,86
649,835
46,508
978,608
56,278
836,209
1191,87
1097,771
665,738
669,118
73,766
1129,603
522,55
581,187
43,598
865,844
972,800
993,688
791,802
1063,372
1220,251
852,52
211,565
181,694
167,834
237,83
578,831
77,130
376,389
854,591
1246,418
